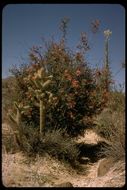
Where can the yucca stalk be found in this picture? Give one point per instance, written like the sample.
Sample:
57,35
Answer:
42,117
107,34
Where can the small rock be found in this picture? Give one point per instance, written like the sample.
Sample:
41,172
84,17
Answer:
65,184
104,167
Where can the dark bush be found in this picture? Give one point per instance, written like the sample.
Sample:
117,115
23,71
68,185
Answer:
56,143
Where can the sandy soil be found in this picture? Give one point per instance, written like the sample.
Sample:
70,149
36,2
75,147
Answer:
19,171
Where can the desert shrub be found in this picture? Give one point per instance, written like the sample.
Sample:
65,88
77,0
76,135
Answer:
8,96
8,142
111,125
117,101
76,93
56,143
75,90
30,142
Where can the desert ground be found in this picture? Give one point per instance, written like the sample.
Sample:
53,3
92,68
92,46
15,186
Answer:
20,171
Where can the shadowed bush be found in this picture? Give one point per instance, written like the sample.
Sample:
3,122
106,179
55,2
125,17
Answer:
59,144
56,143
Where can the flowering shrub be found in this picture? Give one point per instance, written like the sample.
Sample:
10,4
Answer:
78,92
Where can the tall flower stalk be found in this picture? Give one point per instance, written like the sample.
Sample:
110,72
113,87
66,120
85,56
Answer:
107,34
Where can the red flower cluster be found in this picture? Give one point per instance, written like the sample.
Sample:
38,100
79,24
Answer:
75,83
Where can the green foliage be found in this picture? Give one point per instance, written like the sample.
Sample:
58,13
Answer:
76,94
59,144
19,74
56,143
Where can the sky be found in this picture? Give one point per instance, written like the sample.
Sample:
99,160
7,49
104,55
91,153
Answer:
25,25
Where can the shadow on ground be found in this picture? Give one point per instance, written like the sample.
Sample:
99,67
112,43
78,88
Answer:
91,153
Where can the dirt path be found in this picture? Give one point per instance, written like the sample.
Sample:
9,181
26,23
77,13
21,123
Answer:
19,171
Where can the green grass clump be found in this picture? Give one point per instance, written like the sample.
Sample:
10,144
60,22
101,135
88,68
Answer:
56,143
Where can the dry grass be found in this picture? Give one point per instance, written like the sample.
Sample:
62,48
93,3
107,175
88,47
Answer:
18,170
56,143
110,124
112,127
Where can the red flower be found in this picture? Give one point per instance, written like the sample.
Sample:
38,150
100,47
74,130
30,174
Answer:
69,77
78,72
75,83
